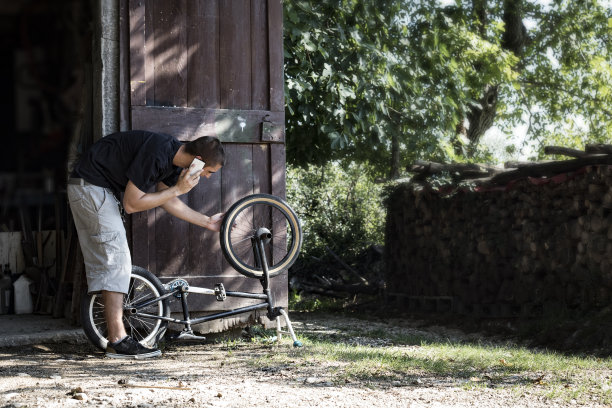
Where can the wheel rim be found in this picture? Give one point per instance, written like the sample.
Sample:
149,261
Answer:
247,219
141,329
96,317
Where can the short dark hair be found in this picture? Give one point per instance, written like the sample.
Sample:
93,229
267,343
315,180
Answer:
209,148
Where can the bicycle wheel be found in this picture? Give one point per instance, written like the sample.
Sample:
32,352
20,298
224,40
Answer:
143,285
242,221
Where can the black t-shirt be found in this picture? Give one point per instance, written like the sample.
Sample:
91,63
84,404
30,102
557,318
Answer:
143,157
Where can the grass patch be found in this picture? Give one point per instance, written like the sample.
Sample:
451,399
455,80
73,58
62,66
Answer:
303,303
375,357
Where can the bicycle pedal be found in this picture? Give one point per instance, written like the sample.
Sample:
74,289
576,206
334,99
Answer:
220,292
187,336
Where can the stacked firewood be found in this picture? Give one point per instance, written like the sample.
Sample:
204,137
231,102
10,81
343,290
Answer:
484,174
528,239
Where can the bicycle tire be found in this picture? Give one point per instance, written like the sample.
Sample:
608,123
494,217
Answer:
242,221
143,284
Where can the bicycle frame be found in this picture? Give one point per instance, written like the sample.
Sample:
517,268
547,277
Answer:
262,237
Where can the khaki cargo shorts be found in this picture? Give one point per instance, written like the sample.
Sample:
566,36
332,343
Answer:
102,236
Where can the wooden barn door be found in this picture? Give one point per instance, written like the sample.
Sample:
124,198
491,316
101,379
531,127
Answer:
208,67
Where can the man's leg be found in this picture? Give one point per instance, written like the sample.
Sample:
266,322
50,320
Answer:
113,313
120,345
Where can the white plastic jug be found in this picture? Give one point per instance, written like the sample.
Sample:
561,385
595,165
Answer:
23,297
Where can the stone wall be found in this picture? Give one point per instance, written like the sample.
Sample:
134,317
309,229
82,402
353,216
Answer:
533,247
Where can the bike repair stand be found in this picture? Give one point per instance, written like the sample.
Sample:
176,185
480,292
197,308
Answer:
263,237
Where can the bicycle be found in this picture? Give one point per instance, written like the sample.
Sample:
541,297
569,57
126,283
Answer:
260,237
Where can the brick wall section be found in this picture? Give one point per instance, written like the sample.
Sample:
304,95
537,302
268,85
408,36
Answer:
532,248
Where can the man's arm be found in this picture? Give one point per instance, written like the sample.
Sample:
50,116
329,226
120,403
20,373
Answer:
135,200
181,210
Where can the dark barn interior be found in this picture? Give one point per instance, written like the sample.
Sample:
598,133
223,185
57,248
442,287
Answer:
45,83
74,71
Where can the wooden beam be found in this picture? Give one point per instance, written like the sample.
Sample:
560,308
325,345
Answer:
229,125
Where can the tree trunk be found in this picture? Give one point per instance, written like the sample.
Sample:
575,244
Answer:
395,157
479,9
515,34
481,117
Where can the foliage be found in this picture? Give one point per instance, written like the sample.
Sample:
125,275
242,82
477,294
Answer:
567,90
339,208
365,76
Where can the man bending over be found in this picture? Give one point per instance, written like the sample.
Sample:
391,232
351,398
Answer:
132,162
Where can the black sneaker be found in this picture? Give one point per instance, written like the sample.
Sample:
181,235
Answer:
128,348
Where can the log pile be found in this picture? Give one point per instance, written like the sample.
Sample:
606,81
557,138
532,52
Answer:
527,240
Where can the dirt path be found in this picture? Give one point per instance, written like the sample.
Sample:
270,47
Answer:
236,373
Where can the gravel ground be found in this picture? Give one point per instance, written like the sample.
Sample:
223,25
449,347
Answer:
229,373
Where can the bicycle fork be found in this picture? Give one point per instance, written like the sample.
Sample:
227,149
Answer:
263,237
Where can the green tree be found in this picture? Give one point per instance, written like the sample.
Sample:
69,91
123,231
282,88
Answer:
339,207
389,82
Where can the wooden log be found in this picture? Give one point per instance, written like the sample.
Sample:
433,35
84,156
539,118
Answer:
565,151
598,149
457,171
519,164
549,168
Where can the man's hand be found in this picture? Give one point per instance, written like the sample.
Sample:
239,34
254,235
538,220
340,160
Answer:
215,221
186,182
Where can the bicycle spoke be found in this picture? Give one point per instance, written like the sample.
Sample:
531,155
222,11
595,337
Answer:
144,321
242,240
144,296
130,290
240,228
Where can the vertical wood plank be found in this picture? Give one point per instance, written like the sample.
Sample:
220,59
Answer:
124,65
261,169
159,253
140,240
205,257
277,174
277,167
261,184
203,54
275,40
279,285
237,174
235,54
137,52
149,55
172,243
170,53
236,180
259,55
151,238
